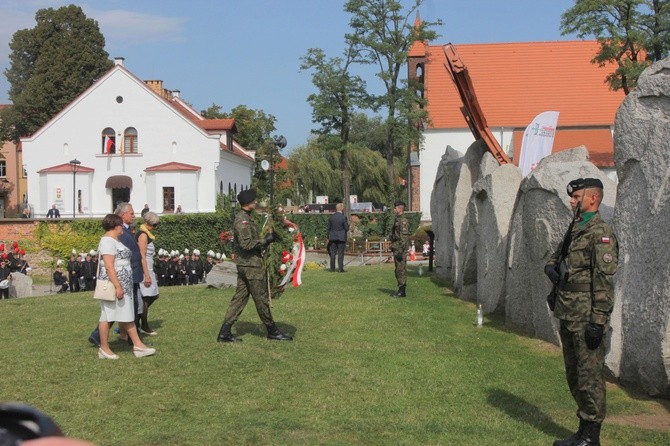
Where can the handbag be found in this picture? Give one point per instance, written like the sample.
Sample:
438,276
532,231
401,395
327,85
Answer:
104,289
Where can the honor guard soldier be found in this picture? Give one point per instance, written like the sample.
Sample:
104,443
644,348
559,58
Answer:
582,270
251,276
399,244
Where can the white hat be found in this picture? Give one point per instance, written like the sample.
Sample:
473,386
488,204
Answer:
218,255
74,252
92,252
59,262
196,252
186,251
223,256
210,253
181,257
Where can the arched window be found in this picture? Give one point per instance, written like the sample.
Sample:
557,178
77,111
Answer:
108,141
130,140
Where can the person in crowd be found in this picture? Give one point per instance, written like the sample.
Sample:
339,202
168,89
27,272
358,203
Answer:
209,263
116,267
179,211
182,273
59,278
338,227
197,266
582,270
426,249
127,214
160,267
399,245
53,212
20,264
144,210
73,272
5,277
88,271
149,287
251,276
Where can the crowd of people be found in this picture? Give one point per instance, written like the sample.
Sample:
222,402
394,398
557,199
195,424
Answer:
11,261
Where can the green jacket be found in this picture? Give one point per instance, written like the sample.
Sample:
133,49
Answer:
591,262
400,235
248,245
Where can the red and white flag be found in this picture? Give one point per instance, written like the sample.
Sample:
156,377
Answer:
538,140
109,145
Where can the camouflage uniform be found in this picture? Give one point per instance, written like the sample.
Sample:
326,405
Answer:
399,246
251,278
586,295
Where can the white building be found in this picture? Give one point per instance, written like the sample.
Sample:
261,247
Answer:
136,142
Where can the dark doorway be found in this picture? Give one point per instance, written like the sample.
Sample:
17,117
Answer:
121,195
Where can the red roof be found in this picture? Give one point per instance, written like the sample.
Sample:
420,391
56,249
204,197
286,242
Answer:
66,168
172,167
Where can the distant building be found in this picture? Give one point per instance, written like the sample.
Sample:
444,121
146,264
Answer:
135,141
513,82
12,179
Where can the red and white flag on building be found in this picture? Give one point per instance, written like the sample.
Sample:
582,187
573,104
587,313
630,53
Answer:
538,140
109,145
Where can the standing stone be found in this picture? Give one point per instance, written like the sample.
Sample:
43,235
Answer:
642,220
21,285
222,275
541,217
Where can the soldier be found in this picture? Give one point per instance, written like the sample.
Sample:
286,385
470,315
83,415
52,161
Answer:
251,276
88,271
582,268
399,243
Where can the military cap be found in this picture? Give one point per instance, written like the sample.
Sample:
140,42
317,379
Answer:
399,203
246,196
583,183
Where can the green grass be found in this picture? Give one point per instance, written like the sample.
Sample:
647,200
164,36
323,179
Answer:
363,369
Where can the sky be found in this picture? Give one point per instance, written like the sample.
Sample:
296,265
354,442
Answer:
232,52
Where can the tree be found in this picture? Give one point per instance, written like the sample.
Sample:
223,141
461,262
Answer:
383,35
632,34
50,65
339,94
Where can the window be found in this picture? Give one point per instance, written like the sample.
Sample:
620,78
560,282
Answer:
108,141
130,140
3,168
168,199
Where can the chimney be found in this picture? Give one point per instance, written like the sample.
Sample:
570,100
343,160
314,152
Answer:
156,86
176,93
119,61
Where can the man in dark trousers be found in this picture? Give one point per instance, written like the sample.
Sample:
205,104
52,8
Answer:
582,268
53,212
73,272
338,227
251,276
127,214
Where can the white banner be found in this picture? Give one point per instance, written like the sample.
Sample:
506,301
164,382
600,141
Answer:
538,140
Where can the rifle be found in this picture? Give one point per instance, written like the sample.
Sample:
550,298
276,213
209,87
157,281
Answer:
567,239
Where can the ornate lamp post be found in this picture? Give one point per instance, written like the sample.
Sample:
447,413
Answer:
75,165
280,143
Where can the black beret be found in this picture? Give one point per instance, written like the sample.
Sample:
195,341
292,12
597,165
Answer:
246,196
583,183
399,203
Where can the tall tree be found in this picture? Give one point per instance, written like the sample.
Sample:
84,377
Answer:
50,65
382,34
339,94
632,34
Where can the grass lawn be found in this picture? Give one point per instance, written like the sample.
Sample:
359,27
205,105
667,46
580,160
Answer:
363,369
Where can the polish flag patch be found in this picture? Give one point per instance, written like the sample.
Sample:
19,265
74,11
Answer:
604,239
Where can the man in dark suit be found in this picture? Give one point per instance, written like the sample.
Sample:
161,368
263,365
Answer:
53,212
338,226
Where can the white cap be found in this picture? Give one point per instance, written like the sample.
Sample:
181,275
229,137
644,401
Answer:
218,255
186,251
181,256
92,252
196,252
210,253
59,262
223,256
74,252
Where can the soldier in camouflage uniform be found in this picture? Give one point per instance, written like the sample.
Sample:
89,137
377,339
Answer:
584,301
251,276
399,244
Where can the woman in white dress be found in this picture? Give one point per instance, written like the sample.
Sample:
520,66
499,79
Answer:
148,288
115,267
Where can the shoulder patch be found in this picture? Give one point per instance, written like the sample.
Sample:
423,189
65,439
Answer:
244,222
604,239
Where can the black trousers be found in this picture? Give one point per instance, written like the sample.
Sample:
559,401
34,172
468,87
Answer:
337,250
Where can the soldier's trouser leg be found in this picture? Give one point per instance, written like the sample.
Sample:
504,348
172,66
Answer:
239,300
259,292
400,268
584,371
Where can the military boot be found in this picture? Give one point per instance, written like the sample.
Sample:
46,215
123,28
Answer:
574,438
225,335
276,335
400,292
590,434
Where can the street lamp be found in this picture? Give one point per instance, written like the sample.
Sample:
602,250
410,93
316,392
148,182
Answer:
280,143
75,165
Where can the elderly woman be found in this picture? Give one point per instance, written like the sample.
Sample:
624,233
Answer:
148,288
115,267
